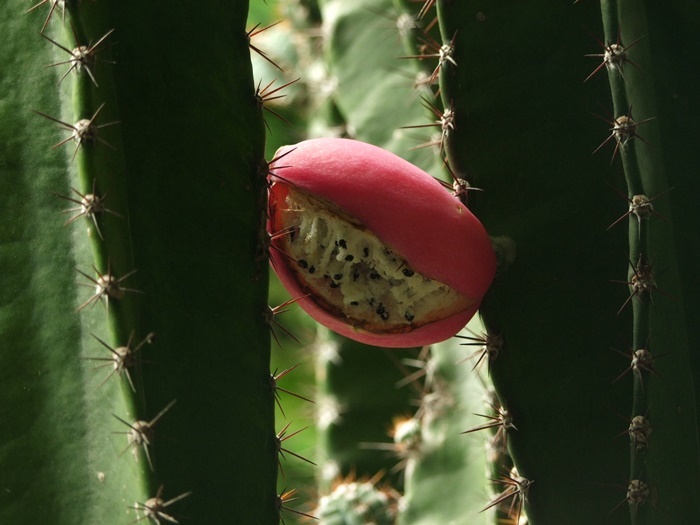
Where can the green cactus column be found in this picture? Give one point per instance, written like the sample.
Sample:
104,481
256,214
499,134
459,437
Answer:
174,147
446,468
639,51
523,132
556,307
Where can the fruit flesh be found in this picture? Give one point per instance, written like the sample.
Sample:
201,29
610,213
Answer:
350,271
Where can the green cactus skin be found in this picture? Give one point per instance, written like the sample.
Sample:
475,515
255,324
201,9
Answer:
57,424
664,392
446,472
353,423
373,94
184,175
554,307
563,359
357,503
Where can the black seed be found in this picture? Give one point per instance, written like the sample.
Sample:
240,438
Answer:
365,252
338,276
381,312
342,244
371,301
312,269
349,257
409,316
334,252
302,263
334,285
355,275
374,275
354,303
407,272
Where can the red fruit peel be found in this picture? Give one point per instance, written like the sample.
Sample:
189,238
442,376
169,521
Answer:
376,249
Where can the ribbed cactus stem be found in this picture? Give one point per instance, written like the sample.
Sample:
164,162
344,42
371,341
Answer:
617,56
445,453
454,82
141,380
629,34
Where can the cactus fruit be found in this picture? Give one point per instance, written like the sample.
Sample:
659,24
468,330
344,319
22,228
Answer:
380,252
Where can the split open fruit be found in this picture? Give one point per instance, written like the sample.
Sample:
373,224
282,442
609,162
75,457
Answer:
375,248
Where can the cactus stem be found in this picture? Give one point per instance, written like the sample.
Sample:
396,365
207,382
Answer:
154,508
288,496
84,130
123,358
82,57
107,286
90,206
274,378
283,436
255,31
54,4
614,56
142,432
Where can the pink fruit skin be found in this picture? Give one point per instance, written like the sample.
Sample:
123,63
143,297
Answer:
408,210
